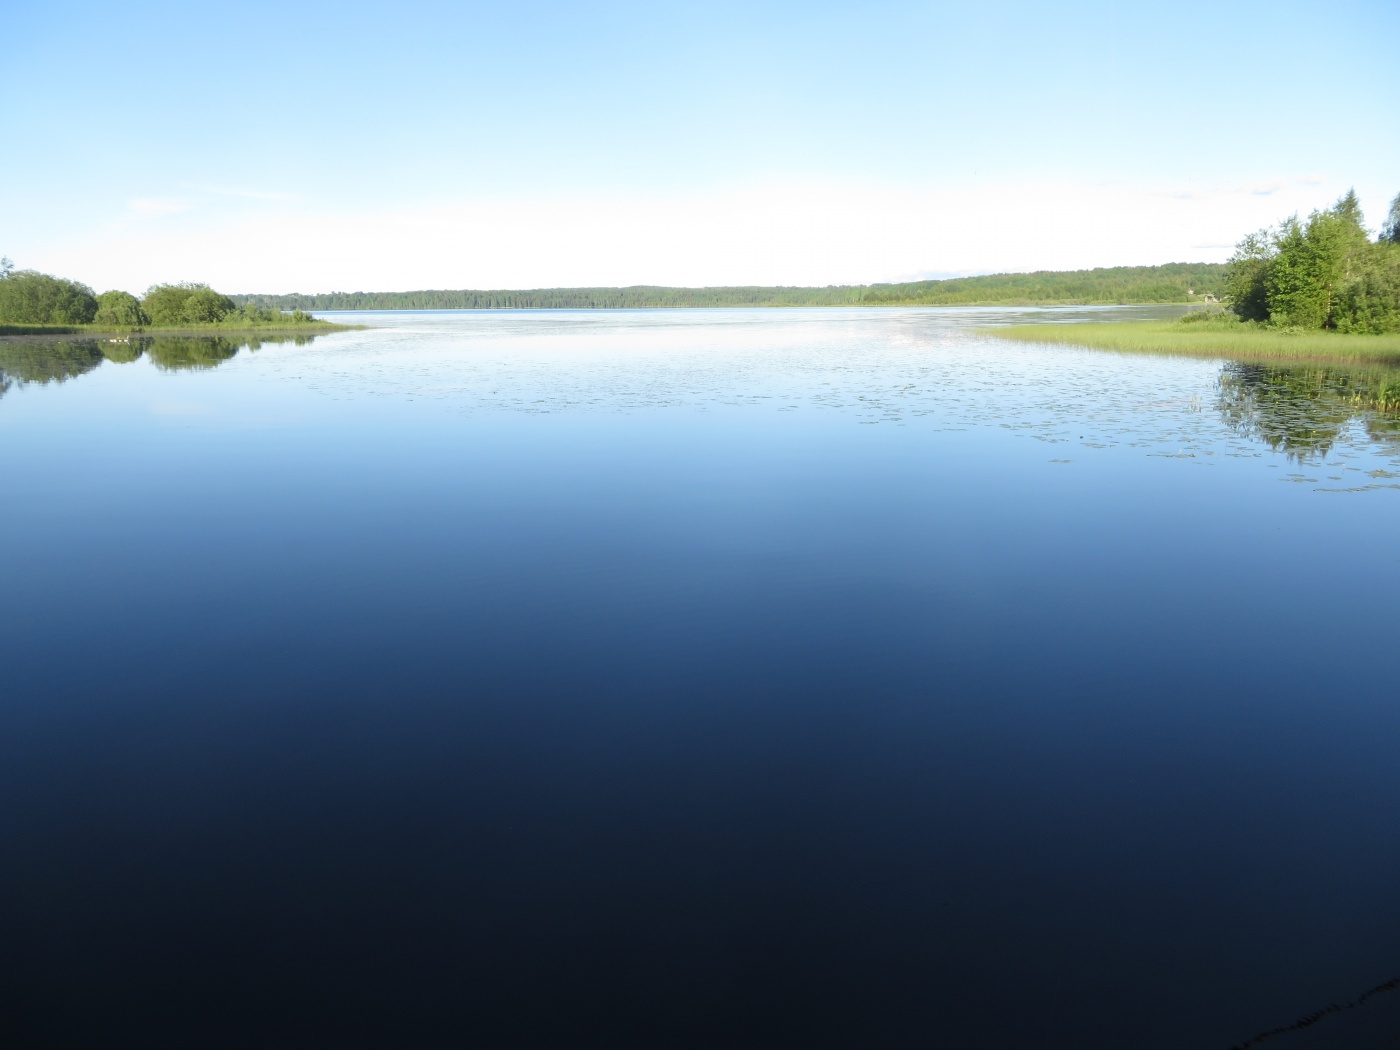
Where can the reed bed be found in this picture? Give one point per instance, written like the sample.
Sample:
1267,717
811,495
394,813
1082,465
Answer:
1237,342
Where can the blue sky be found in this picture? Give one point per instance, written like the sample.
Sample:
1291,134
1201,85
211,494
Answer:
311,147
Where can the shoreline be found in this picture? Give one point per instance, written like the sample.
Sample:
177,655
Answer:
1172,339
41,331
1188,303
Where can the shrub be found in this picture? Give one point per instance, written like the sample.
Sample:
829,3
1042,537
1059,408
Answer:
27,297
121,310
165,303
1214,318
177,304
205,306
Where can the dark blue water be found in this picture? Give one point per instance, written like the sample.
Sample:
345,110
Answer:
703,678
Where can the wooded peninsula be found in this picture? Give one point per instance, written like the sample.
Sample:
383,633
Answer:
33,303
1315,289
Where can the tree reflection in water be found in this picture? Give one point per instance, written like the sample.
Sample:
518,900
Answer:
1302,412
47,362
42,361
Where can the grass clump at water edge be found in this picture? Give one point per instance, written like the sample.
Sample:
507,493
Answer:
1216,334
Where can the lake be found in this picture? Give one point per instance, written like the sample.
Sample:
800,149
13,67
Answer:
694,678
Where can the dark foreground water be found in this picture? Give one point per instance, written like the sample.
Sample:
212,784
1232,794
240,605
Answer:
705,678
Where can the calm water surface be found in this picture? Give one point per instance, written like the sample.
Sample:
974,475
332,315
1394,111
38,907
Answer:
694,678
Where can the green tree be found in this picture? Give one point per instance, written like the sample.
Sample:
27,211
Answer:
28,297
177,304
1391,230
1245,279
165,303
1300,278
1306,266
206,306
1368,300
121,310
7,267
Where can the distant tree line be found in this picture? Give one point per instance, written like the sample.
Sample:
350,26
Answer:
635,297
28,297
1172,283
1322,272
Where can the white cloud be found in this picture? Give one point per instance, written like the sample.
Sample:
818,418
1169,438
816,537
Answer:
808,233
251,195
147,207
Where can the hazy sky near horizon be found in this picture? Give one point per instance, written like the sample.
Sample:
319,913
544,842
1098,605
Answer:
318,146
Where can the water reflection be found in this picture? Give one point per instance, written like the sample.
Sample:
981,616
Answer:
779,647
46,362
58,360
1304,412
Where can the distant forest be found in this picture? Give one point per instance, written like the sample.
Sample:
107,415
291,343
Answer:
1172,283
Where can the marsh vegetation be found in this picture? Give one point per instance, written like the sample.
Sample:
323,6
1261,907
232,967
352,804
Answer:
1214,334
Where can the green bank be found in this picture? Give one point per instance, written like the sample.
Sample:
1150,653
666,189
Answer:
1315,290
238,324
33,303
1169,283
1224,337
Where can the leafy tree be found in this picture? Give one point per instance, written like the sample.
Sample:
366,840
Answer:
1369,299
28,297
177,304
165,303
121,310
206,306
1245,279
1391,230
1313,260
1322,273
7,267
1300,277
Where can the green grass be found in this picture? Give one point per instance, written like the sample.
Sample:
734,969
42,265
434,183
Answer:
1225,339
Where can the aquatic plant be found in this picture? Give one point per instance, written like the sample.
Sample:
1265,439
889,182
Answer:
1215,336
